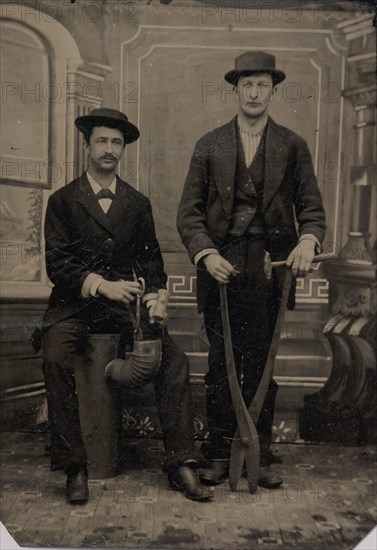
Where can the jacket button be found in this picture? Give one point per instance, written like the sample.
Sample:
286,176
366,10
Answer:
277,232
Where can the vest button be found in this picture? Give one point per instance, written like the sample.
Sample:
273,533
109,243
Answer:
277,232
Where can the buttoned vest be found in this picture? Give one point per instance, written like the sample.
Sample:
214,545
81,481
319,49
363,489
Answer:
247,216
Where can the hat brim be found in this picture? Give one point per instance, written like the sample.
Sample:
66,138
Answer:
233,76
129,130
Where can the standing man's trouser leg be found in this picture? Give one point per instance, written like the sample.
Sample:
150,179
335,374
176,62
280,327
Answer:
252,303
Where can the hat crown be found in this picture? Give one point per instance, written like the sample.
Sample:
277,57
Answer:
104,116
105,112
254,61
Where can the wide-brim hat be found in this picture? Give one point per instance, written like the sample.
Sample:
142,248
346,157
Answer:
111,118
254,62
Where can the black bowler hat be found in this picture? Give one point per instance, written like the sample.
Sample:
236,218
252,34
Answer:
254,62
111,118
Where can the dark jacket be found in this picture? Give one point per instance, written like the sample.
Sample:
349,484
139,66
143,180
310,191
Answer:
292,204
81,239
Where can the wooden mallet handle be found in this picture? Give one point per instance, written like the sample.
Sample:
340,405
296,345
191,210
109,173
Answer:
316,259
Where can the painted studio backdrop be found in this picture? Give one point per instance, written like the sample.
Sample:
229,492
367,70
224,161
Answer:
162,63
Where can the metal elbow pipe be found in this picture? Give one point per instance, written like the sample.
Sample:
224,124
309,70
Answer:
139,367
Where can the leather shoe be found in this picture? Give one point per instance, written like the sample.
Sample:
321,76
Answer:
218,471
268,479
186,480
77,491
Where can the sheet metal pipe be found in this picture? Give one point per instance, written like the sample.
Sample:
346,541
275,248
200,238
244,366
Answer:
142,364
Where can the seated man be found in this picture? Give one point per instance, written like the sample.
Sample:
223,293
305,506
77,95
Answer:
100,237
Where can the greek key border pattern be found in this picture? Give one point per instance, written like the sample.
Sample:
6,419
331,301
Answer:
182,290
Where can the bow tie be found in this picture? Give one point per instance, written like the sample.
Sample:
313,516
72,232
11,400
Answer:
105,194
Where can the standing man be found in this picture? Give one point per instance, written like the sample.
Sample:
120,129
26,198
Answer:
100,237
250,182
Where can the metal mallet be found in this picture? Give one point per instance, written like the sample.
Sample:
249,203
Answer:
269,265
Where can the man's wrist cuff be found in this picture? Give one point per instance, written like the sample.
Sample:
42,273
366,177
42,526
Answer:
203,253
313,238
90,285
95,286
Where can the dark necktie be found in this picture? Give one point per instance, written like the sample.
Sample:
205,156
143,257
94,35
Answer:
105,194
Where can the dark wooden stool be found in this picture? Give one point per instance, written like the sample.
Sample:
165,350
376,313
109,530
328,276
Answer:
100,415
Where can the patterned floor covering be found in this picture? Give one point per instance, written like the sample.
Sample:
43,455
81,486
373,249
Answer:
327,502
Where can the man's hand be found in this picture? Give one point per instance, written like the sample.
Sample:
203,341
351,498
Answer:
301,257
120,291
219,267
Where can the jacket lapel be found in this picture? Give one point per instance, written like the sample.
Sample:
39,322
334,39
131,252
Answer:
276,157
89,202
225,163
121,204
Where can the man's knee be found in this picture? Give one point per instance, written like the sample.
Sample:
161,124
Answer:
63,343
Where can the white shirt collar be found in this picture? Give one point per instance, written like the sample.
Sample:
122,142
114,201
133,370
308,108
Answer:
96,187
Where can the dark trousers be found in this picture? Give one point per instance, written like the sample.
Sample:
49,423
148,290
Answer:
66,348
252,302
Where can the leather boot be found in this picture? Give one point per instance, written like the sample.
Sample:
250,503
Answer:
268,479
186,480
215,474
218,471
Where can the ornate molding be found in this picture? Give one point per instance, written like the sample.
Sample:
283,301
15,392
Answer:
96,71
358,250
365,96
357,27
344,410
353,288
84,92
350,300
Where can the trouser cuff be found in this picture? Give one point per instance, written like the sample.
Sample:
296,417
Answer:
194,459
223,455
